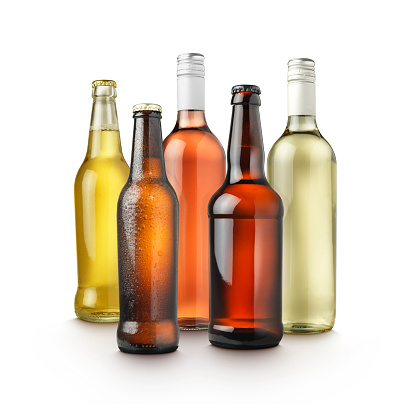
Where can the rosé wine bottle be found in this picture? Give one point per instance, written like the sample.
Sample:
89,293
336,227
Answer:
195,166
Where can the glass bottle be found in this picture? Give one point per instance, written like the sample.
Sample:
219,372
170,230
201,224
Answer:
97,186
147,217
302,168
245,220
195,165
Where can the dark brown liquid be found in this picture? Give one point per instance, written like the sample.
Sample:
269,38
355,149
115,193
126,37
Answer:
245,241
147,247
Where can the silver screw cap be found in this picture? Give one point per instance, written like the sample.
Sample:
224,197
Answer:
191,64
301,70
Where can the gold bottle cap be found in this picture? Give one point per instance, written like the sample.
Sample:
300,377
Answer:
104,83
147,107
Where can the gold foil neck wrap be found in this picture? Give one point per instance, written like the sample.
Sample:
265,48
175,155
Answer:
104,83
147,107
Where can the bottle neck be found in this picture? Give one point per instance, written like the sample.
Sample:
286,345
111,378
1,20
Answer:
104,114
104,137
147,161
301,99
245,153
301,124
191,119
191,93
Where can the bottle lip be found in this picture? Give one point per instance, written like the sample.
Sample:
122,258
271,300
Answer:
245,88
191,64
301,70
104,83
147,107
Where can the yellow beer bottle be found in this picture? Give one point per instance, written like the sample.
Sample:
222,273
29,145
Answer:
98,183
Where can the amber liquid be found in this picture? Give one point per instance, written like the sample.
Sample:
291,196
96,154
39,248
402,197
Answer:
195,166
97,187
245,244
147,248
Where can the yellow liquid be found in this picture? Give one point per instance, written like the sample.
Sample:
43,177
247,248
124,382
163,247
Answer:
97,187
302,169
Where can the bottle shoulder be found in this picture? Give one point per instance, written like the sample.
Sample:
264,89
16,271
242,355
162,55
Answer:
246,201
103,169
294,145
192,140
153,191
98,163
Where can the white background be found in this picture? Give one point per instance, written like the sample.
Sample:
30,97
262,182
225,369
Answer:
365,60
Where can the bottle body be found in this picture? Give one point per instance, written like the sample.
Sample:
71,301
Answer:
195,165
245,267
245,220
97,186
147,228
302,168
147,218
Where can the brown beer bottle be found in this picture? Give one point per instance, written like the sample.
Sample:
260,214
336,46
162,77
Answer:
147,221
245,224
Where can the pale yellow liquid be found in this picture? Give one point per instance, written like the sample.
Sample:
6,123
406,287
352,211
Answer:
97,187
302,169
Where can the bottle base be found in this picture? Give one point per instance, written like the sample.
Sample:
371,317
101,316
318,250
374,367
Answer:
241,347
193,324
244,338
98,315
146,349
306,329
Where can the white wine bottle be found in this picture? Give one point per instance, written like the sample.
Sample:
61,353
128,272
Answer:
302,168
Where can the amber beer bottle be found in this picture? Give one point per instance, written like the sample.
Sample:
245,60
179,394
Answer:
147,218
245,223
97,187
195,165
